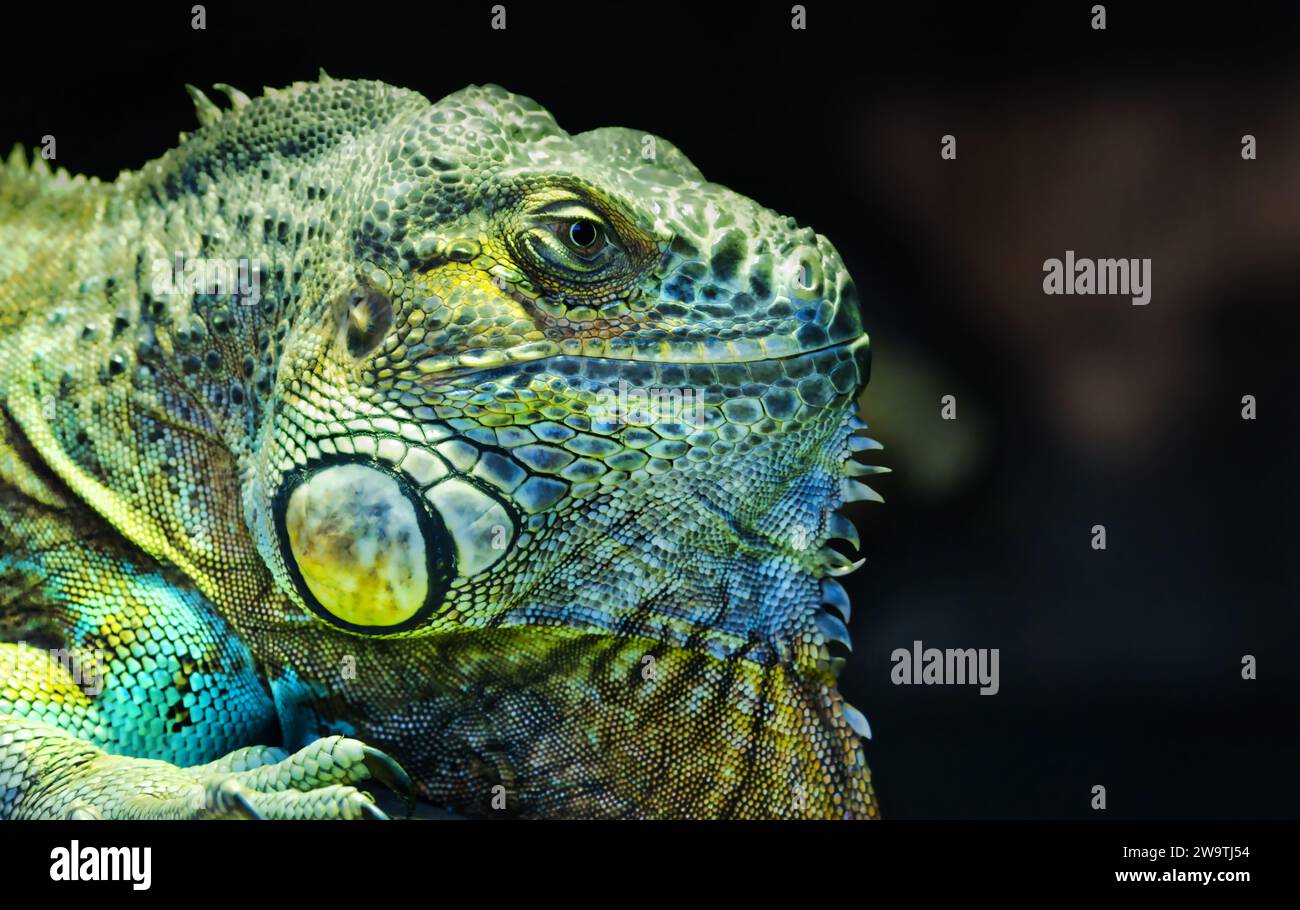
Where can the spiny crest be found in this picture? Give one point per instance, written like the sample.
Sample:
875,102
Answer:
17,168
208,112
372,98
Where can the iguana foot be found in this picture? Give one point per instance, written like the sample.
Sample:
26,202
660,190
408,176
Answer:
46,773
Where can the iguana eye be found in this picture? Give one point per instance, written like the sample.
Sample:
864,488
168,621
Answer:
585,238
569,240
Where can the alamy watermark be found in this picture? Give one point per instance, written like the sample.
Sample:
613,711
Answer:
236,278
75,863
946,667
1125,277
84,666
638,406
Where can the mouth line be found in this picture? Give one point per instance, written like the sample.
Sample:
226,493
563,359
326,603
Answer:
459,365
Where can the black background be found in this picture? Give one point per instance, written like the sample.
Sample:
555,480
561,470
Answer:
1119,668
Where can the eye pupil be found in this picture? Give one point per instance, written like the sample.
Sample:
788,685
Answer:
584,234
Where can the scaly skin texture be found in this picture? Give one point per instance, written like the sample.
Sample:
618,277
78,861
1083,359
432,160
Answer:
518,466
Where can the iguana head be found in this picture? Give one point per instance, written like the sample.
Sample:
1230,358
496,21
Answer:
565,379
557,382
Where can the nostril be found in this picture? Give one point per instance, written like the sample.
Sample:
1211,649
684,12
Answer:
808,274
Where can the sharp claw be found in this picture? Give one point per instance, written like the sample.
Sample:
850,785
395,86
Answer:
391,775
245,806
228,796
369,811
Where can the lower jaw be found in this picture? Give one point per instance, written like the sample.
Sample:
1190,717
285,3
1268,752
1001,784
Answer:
817,361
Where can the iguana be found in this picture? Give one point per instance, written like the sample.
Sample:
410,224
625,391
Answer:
453,451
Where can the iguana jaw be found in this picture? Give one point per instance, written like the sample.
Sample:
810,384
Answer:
773,348
779,520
